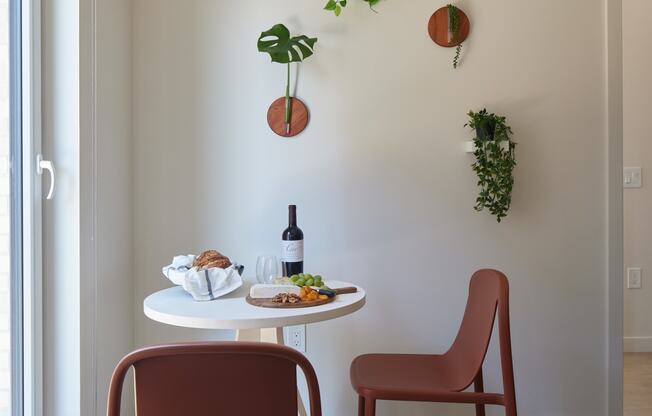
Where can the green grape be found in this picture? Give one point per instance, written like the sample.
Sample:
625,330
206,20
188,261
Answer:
310,281
294,278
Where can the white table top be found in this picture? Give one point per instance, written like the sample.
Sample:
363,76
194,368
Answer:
174,306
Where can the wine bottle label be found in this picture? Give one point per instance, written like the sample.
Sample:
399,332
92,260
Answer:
291,251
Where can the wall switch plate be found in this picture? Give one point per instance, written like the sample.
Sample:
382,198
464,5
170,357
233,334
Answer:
295,337
634,278
633,177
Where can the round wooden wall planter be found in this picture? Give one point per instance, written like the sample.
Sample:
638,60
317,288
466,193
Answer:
276,117
438,28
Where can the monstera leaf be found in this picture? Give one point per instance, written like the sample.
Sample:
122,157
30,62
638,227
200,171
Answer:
283,48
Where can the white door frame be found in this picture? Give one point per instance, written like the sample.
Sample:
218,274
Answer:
615,259
32,210
90,404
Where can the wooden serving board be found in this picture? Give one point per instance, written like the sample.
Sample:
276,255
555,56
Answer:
267,302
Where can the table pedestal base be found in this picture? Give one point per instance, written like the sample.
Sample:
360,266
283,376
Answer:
273,336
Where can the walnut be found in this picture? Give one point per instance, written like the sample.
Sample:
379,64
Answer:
286,298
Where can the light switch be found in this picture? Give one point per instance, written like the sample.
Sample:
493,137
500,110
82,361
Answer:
634,278
633,177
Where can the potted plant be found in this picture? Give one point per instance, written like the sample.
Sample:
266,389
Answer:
454,31
284,49
336,6
495,162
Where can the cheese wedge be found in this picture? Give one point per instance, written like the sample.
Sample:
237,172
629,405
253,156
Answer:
264,291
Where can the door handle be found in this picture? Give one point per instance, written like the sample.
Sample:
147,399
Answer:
42,165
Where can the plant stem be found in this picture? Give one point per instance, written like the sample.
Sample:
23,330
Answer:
450,23
288,104
456,59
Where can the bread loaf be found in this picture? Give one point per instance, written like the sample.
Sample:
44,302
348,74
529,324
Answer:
210,259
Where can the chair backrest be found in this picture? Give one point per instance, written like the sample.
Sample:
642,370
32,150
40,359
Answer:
217,378
488,293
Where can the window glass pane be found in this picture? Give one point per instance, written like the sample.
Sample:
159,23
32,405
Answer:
5,341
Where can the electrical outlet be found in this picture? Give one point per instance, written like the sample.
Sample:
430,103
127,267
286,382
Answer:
633,177
634,278
295,337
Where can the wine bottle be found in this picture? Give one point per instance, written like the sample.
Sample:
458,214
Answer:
292,246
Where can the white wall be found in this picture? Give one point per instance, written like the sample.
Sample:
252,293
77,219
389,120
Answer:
384,189
115,312
638,152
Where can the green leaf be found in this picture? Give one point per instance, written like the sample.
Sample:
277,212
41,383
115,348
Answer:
330,5
285,49
337,6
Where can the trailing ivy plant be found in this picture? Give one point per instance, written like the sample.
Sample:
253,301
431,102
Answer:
495,162
284,49
336,6
454,27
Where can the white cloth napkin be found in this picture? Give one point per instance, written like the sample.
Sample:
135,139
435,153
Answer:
203,285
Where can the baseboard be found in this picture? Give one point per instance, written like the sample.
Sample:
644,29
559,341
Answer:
638,344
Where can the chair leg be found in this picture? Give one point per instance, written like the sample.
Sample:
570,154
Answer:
510,407
479,388
370,407
360,406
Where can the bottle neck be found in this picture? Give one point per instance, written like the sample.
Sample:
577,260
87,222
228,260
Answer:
292,217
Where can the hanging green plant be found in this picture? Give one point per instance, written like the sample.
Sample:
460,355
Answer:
284,49
495,162
454,30
336,6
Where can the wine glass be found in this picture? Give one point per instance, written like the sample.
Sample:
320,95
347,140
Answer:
267,269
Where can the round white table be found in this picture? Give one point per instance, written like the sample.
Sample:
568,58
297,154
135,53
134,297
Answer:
174,306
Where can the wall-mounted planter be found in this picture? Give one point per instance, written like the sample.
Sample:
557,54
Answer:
287,116
494,164
298,121
449,27
439,28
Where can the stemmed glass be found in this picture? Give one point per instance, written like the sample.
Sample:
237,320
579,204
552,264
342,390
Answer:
267,268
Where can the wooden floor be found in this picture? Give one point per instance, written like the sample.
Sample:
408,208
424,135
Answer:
638,384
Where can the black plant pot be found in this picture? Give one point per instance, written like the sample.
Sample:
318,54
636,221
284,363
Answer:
486,130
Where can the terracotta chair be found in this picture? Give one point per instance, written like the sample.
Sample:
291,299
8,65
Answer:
444,378
217,378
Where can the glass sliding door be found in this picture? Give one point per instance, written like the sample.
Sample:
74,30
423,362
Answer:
20,209
10,229
14,202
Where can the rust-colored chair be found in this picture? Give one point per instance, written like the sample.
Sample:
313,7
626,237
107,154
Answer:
217,378
443,378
